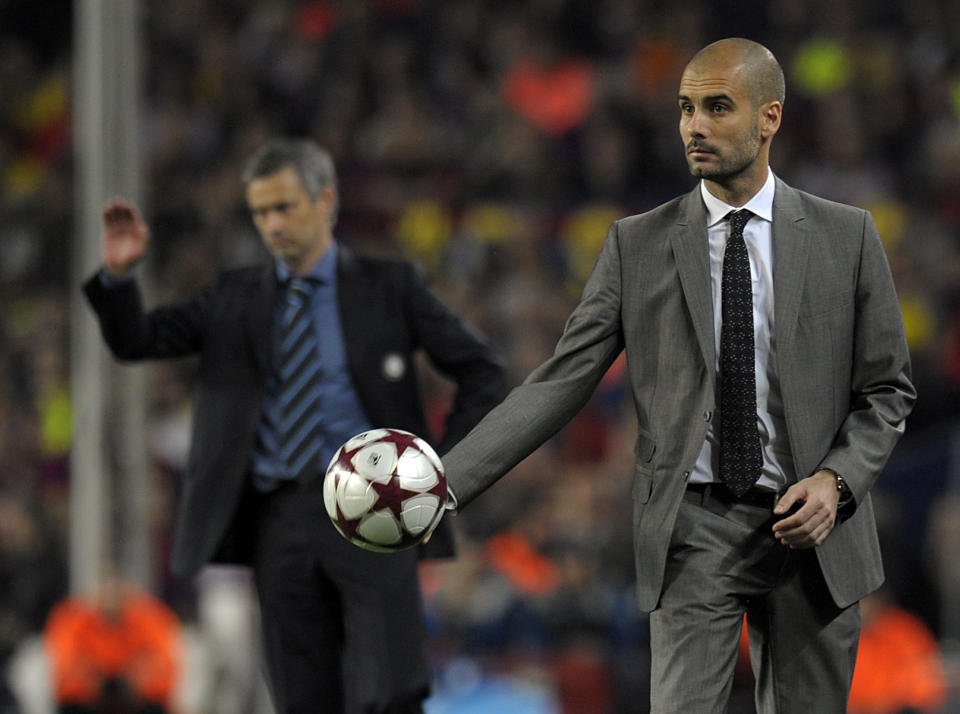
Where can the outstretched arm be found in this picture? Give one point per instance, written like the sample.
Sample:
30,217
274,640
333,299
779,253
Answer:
131,332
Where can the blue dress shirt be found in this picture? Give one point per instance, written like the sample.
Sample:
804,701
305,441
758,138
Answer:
342,414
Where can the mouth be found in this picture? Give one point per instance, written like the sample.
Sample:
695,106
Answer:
696,151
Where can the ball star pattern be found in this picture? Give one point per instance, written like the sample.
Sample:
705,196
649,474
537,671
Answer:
390,495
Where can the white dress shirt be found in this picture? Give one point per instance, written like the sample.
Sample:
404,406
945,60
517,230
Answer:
777,463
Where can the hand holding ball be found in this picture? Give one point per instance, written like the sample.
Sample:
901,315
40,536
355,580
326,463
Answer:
385,490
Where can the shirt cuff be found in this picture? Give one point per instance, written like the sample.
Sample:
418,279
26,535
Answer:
452,503
108,281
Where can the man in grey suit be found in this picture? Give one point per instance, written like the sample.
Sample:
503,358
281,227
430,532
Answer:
784,532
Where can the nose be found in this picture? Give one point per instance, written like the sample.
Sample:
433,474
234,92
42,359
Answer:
273,221
694,123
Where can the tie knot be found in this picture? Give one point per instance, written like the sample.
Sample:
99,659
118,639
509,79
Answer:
738,219
302,287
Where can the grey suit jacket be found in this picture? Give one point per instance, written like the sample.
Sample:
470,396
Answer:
842,360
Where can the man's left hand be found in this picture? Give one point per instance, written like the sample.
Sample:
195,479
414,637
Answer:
817,498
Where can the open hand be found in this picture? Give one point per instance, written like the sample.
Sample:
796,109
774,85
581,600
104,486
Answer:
125,237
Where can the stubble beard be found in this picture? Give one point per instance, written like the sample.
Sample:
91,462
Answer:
730,167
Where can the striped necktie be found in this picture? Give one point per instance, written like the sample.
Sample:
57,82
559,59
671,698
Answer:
740,456
299,437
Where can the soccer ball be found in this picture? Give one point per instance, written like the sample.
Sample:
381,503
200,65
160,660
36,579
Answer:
385,490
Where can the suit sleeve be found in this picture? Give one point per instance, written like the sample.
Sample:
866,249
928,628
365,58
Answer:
881,391
131,333
553,393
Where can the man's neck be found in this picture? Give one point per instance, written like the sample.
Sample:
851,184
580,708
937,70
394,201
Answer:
738,190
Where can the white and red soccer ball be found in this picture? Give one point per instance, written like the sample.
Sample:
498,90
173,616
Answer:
385,489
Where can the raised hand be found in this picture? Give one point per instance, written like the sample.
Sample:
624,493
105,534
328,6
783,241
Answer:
125,237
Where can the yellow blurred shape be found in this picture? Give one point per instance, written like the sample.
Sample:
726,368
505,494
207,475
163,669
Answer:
918,322
583,234
490,223
891,219
821,66
46,103
22,177
424,228
56,425
955,95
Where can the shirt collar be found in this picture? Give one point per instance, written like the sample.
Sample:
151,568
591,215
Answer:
325,271
761,205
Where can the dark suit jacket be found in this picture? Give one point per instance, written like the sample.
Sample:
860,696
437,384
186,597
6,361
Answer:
387,313
842,360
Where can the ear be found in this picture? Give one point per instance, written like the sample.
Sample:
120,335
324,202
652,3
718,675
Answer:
328,200
769,122
328,197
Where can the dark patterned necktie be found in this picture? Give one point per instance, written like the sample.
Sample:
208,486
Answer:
298,428
740,457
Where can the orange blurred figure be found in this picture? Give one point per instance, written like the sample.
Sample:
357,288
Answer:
898,662
115,653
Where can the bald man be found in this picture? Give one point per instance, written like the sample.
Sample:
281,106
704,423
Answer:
771,379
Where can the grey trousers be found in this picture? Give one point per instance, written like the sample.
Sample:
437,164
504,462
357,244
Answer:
724,563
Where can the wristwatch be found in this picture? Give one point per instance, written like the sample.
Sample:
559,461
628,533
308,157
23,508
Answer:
845,493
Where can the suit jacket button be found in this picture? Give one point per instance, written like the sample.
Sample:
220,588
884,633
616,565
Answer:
394,367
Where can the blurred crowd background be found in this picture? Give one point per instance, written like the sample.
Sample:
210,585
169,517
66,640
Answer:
493,142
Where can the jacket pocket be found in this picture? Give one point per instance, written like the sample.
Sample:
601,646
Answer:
642,484
821,305
645,448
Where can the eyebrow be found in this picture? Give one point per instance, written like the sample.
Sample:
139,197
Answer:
711,98
276,205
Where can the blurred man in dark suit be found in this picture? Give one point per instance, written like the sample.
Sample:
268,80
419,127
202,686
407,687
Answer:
267,422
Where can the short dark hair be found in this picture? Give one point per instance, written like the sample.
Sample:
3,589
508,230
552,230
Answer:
312,163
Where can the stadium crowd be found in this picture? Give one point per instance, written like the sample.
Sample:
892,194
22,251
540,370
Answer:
493,142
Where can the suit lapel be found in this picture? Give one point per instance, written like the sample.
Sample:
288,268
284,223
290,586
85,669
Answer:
691,252
259,316
350,297
790,252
